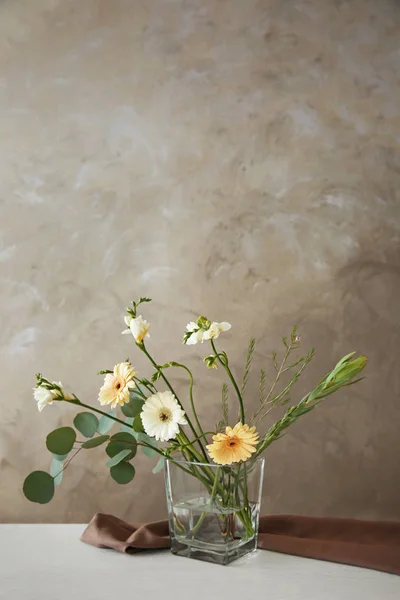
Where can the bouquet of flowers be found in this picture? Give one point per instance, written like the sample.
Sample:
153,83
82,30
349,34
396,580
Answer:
213,477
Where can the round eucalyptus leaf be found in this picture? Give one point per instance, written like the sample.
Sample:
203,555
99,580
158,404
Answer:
106,423
39,487
94,442
128,437
127,428
115,460
122,441
56,471
149,452
127,410
60,457
123,472
61,441
87,423
160,465
137,424
136,403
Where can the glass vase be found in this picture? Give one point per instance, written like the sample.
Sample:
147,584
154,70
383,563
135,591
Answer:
213,510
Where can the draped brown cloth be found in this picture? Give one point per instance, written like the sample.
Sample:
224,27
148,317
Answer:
369,544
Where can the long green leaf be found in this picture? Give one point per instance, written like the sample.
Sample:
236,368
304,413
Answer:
94,442
118,458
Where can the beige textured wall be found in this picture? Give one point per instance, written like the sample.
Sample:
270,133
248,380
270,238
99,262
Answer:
235,158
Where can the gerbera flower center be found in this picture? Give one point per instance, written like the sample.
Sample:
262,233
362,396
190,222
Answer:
165,415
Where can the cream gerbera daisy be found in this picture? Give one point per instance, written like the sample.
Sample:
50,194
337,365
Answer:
162,415
235,445
117,385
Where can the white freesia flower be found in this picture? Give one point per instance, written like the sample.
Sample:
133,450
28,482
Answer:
197,336
215,329
44,396
138,327
162,415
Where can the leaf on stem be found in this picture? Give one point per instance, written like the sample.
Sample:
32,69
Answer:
263,380
60,457
115,460
149,452
86,423
160,465
344,371
122,441
225,407
94,442
138,425
122,473
39,487
61,440
105,423
127,428
56,471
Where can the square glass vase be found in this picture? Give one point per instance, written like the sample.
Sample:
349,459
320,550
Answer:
213,510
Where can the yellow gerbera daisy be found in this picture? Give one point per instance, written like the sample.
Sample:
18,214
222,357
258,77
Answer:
234,445
117,385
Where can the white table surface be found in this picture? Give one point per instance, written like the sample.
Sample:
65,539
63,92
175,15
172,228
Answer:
48,562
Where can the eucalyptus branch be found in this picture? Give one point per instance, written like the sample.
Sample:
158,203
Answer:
67,463
141,443
77,402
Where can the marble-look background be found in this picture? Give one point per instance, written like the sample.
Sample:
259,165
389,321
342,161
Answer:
238,159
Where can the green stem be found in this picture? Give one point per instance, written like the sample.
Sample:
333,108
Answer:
149,386
189,452
197,439
77,402
171,389
67,463
191,382
137,389
212,497
231,377
273,386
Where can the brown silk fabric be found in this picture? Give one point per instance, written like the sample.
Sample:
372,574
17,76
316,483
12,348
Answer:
369,544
